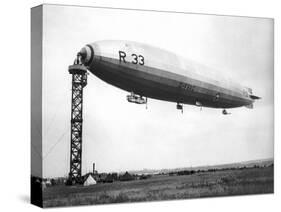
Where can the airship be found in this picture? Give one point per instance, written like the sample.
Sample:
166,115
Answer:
146,71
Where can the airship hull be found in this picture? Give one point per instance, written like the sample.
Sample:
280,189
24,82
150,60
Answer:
153,80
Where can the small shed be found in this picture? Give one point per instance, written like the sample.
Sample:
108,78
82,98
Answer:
89,180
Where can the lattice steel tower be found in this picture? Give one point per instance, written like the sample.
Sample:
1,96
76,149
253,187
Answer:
79,81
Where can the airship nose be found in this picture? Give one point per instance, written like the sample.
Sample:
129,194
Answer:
87,55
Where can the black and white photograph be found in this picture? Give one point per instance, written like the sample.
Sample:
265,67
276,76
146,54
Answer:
141,105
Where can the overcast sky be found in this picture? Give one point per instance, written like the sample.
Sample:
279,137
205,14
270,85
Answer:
120,136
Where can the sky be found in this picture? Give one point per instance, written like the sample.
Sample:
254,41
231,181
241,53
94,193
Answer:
120,136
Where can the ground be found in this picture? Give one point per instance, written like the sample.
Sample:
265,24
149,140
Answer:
165,187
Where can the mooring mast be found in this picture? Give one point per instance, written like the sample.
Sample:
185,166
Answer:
79,81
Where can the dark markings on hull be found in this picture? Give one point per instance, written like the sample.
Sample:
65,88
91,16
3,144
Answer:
122,56
136,59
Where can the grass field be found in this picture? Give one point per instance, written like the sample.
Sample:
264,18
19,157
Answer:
164,187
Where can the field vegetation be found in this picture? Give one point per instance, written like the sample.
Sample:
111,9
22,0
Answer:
255,180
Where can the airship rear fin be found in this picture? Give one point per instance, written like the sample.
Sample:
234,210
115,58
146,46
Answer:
254,97
250,106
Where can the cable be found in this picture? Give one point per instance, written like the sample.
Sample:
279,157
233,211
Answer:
59,140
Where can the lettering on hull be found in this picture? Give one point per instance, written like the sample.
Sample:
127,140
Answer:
187,87
135,59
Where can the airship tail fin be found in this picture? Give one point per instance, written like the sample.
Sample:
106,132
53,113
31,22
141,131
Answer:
250,106
254,97
250,91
